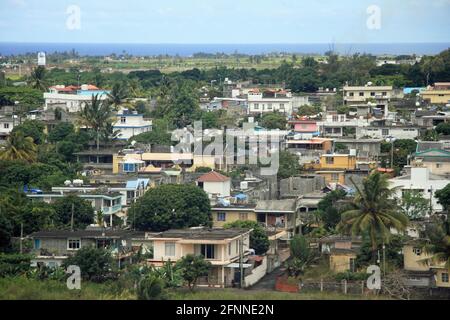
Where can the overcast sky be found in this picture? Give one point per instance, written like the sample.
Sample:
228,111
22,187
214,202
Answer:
224,21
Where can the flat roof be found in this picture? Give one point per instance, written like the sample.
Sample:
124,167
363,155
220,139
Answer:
202,234
62,234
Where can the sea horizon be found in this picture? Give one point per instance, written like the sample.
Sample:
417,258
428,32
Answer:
188,49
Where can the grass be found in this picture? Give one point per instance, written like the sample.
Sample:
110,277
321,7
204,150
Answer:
236,294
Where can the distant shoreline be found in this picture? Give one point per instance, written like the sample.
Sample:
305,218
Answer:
186,50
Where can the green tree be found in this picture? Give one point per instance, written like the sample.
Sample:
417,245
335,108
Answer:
61,131
443,197
375,212
159,135
289,165
96,115
117,96
151,287
38,78
193,267
83,213
328,210
414,205
19,147
274,120
443,128
172,207
32,128
259,241
438,232
96,264
301,255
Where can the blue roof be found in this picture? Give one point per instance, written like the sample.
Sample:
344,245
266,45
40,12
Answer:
241,196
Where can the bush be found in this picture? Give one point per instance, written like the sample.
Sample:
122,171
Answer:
14,264
351,276
151,288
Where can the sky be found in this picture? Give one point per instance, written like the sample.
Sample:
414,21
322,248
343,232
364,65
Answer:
225,21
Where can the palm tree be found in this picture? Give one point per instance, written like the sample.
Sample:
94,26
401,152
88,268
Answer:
438,248
37,78
375,212
19,147
96,115
117,96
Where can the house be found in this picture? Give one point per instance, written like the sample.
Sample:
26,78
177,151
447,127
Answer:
436,160
336,125
52,248
216,185
305,127
130,124
384,131
72,98
266,101
422,180
359,94
226,249
342,251
7,124
229,213
308,149
421,272
365,148
437,94
278,216
109,203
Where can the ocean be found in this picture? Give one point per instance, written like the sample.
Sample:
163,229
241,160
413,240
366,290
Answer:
185,50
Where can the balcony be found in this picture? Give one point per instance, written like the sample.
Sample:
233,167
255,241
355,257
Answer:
112,210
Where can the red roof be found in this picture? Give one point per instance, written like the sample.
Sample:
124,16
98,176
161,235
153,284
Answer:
213,176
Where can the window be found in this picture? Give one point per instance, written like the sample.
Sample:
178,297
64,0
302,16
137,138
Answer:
237,244
372,94
384,132
269,106
256,106
6,125
169,249
417,251
351,94
221,216
281,106
384,93
229,249
208,251
243,216
128,167
73,244
444,277
329,160
361,94
438,165
335,176
352,265
123,119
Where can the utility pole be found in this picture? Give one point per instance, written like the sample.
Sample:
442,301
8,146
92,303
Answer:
384,259
21,237
71,219
241,261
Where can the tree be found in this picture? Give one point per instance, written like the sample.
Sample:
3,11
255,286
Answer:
439,245
61,131
38,78
159,135
151,287
96,115
117,96
274,120
83,213
301,255
375,212
414,205
289,165
33,129
193,267
443,128
259,241
96,264
328,211
6,231
19,147
172,207
443,197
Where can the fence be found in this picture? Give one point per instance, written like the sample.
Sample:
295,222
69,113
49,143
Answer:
344,286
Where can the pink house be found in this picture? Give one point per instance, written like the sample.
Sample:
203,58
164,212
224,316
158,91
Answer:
304,126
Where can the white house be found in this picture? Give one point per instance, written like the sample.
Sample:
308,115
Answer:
215,184
421,179
6,125
130,124
383,132
269,101
72,98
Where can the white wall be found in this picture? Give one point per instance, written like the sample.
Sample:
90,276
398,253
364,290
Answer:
220,188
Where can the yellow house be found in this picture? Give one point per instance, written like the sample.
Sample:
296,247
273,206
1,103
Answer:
342,260
333,176
342,252
415,260
222,215
337,162
436,96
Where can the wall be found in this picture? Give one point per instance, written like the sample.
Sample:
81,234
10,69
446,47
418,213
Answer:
222,189
297,186
256,274
439,282
340,263
231,216
412,260
443,169
339,162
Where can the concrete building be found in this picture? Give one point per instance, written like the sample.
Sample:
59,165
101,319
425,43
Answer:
359,94
422,180
383,132
437,94
130,123
7,124
436,160
216,185
266,101
72,98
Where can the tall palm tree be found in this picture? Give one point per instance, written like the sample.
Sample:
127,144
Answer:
117,96
438,248
96,115
19,147
375,212
38,78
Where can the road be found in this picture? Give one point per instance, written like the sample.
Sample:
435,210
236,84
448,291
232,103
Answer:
268,281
